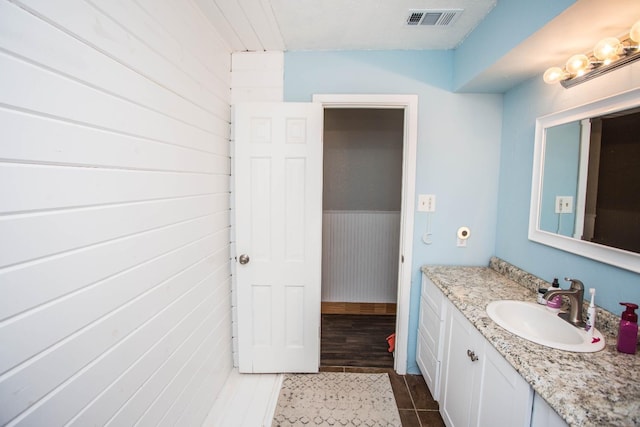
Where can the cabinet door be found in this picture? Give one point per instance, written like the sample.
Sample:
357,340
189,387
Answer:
461,369
504,397
544,416
478,386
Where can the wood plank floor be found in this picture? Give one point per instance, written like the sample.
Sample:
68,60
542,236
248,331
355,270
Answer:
356,340
329,307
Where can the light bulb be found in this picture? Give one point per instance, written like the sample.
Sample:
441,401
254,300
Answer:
577,64
607,49
554,75
634,33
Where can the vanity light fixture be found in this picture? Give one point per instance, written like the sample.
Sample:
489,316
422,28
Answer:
607,55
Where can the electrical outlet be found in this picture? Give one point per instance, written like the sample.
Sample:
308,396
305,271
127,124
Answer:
426,203
564,204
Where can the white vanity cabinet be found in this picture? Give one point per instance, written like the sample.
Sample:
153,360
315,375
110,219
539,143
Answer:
430,333
473,383
478,386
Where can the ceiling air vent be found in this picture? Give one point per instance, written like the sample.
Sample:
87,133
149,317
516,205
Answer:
433,18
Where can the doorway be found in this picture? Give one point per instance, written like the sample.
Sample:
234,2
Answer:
409,105
362,187
295,118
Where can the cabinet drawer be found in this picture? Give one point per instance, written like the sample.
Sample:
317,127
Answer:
429,324
429,365
432,294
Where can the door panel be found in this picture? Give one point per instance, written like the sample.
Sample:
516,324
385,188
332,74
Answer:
278,224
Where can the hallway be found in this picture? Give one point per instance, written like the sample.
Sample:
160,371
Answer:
356,340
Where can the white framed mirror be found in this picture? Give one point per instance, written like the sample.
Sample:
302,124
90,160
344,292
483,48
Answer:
585,192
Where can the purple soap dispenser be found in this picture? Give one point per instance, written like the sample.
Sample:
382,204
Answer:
628,331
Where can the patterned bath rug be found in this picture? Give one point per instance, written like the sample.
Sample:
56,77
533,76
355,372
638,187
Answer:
336,399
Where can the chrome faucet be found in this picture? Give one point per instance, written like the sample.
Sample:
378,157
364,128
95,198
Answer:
575,293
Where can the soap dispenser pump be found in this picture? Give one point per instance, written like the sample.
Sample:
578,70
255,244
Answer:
628,330
555,303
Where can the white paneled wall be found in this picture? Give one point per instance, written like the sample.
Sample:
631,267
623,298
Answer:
360,256
114,213
257,77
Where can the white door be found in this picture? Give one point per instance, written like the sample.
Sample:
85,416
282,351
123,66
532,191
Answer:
278,232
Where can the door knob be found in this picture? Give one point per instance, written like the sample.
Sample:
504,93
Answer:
244,259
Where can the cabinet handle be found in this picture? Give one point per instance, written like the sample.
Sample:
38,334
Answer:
472,355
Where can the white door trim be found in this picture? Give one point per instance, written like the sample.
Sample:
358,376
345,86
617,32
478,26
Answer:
410,105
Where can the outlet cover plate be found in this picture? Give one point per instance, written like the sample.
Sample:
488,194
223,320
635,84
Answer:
426,203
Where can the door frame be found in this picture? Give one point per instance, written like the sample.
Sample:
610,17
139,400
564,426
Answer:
409,103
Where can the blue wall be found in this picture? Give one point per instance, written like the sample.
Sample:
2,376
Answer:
560,178
457,153
476,159
504,28
522,105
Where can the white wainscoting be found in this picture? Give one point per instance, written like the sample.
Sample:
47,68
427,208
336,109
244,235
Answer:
114,213
360,256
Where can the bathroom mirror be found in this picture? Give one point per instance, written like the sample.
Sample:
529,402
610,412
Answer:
585,195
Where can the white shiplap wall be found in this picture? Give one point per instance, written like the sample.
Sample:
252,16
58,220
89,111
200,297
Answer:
114,213
257,77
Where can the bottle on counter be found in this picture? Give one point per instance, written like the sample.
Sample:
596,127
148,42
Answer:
591,314
555,302
540,299
628,329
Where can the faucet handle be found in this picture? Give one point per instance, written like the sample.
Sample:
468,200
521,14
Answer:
575,283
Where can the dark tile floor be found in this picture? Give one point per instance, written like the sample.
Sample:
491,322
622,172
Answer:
415,404
357,343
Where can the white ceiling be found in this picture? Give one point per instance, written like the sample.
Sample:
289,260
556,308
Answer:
372,24
258,25
263,25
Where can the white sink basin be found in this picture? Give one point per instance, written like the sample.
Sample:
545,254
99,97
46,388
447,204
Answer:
537,323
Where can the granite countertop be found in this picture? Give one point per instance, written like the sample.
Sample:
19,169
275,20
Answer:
586,389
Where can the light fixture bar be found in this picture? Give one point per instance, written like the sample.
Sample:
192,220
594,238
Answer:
600,70
608,54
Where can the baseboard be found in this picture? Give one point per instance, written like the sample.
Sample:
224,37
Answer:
382,308
273,402
246,400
